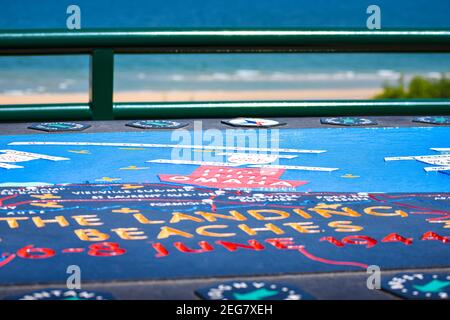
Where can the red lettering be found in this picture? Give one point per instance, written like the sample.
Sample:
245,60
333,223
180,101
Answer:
360,240
395,237
283,243
30,252
160,249
434,236
105,249
205,247
332,240
232,246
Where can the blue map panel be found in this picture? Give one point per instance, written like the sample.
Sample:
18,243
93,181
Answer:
126,232
161,205
358,153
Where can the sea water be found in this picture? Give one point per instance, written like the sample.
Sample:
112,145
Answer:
65,74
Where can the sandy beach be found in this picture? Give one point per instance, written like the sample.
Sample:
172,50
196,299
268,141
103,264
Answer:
195,95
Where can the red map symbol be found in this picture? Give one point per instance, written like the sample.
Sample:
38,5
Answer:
226,177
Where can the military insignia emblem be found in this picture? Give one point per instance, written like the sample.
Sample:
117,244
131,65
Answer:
252,290
419,285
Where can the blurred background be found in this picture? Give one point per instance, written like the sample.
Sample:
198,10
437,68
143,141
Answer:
157,77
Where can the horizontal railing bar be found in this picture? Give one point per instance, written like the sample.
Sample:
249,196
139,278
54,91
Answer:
173,110
280,109
231,40
44,52
47,112
94,42
399,48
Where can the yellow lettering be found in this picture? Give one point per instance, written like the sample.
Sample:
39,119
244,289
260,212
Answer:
12,222
177,217
303,227
167,232
202,231
130,233
91,235
302,213
40,223
142,219
371,211
211,217
344,226
326,210
278,214
88,220
254,231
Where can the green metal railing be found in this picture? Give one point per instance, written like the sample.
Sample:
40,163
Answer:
102,45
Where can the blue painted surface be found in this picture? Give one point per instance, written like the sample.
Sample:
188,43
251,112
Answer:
215,13
356,151
139,260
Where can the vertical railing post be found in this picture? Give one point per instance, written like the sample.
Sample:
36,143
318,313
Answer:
101,84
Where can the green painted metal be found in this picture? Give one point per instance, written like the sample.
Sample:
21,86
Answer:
281,109
49,112
101,45
101,88
227,109
231,40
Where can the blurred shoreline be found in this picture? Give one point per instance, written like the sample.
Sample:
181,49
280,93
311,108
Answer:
196,95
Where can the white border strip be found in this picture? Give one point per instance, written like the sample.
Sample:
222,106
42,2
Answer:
200,163
294,168
441,149
155,145
279,156
34,155
9,166
430,169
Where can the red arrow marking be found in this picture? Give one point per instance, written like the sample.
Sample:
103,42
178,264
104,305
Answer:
326,261
7,260
6,198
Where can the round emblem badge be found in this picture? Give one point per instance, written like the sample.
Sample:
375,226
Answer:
59,126
419,285
348,121
62,294
252,122
249,290
433,120
156,124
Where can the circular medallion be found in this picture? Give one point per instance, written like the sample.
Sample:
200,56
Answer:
252,122
156,124
419,285
59,126
252,290
348,121
433,120
62,294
